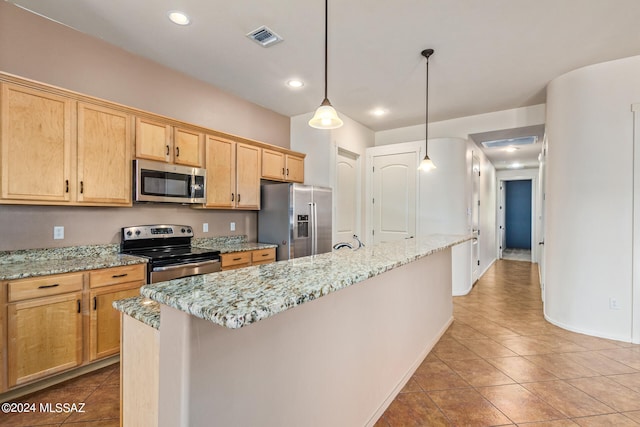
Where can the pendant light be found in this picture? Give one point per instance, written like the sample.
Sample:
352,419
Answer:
426,164
326,116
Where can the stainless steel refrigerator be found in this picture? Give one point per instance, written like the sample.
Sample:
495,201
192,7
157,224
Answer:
297,218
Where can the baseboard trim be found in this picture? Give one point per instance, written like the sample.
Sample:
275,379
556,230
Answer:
584,331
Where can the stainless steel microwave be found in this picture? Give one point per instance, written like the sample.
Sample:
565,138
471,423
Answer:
164,182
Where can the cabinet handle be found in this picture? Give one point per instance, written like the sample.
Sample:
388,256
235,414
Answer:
81,187
177,151
167,149
265,254
237,259
287,171
282,171
55,285
238,197
66,185
95,303
232,197
78,306
115,276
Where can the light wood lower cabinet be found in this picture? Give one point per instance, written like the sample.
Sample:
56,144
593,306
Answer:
104,329
233,260
59,322
45,337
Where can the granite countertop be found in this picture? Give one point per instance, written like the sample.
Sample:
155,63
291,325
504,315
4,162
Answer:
228,244
140,308
22,264
237,298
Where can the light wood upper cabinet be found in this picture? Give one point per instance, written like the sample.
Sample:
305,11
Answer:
233,174
36,144
279,166
159,141
188,146
248,163
294,168
273,165
44,337
153,140
104,155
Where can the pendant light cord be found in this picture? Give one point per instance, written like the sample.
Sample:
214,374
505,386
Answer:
326,38
427,53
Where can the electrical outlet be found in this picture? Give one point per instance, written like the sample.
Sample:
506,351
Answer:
205,227
233,226
58,232
613,304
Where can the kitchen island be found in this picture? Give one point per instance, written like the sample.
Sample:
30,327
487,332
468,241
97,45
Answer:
278,345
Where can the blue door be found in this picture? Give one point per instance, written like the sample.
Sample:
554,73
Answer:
518,214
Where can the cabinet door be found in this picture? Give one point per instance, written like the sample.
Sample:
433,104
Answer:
187,147
35,144
295,169
104,155
44,337
220,155
153,140
273,165
233,260
248,162
104,329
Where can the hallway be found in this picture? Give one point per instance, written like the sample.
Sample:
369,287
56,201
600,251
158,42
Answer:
501,363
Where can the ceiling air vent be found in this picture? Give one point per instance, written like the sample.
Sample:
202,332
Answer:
264,36
526,140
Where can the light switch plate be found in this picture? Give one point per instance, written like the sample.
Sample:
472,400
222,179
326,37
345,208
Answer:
233,226
58,232
205,227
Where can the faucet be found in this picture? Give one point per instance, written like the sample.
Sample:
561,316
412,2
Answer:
341,245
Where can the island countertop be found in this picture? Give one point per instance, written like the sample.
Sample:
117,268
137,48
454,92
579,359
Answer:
238,298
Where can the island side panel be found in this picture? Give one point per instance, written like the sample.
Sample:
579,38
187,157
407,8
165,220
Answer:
139,367
338,360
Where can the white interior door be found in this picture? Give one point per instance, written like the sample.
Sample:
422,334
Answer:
502,226
475,218
394,196
347,200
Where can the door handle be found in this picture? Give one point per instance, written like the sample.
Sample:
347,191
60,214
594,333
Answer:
541,243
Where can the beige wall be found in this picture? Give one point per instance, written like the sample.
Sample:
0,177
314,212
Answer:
30,227
42,50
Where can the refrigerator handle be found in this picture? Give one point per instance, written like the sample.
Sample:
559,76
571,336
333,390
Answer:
315,228
312,222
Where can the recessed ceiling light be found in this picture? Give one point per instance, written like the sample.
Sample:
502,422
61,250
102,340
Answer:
295,83
178,17
379,112
511,149
516,165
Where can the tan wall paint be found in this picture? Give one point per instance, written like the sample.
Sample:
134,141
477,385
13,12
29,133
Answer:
30,227
42,50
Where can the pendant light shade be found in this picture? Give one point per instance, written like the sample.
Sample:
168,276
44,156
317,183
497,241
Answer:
426,164
326,116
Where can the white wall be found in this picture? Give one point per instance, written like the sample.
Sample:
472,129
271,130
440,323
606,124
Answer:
321,147
463,126
589,198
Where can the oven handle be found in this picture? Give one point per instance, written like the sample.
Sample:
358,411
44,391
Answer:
193,264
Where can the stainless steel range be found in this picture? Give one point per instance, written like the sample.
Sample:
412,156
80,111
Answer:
168,249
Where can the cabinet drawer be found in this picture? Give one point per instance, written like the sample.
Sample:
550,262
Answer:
235,258
115,275
44,286
263,255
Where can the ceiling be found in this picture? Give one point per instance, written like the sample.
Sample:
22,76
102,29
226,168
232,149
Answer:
490,55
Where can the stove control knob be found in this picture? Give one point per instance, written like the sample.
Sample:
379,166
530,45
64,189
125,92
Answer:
183,231
129,233
189,230
137,232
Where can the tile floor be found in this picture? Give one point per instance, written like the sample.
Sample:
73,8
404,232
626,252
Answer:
500,363
98,390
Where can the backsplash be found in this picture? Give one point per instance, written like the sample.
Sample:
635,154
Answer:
31,255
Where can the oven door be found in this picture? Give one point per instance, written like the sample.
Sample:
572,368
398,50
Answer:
163,182
176,271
